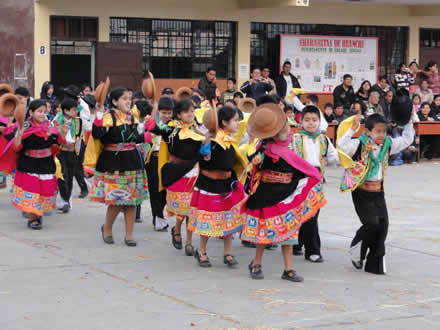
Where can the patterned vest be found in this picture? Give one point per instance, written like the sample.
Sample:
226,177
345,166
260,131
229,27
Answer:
297,145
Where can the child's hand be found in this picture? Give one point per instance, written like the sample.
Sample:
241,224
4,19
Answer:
65,129
356,121
430,119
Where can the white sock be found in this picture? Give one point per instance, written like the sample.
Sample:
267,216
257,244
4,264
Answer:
160,223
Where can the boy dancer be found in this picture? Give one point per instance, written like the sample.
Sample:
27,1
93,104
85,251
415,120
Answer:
364,178
314,147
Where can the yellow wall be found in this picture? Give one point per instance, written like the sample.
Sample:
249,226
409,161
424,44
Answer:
242,11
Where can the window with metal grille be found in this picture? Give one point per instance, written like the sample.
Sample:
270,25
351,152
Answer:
180,48
265,42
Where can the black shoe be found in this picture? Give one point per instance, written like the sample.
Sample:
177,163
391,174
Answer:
357,264
189,250
316,258
65,208
248,244
177,244
230,262
297,252
83,194
130,242
139,220
290,275
106,239
35,224
202,263
164,229
256,271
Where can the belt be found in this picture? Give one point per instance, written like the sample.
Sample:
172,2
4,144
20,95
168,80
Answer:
217,174
38,153
120,146
269,176
177,160
68,147
372,186
155,154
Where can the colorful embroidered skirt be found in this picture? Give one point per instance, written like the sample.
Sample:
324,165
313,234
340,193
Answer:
281,222
127,188
3,178
35,193
179,194
216,215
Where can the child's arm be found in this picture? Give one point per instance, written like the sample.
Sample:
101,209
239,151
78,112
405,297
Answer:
402,142
332,153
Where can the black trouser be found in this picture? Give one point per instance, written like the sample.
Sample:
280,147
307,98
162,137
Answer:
409,156
309,237
158,199
79,169
68,161
372,211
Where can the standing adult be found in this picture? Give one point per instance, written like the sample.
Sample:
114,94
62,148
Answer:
265,72
286,81
344,93
207,84
403,78
433,77
382,87
256,86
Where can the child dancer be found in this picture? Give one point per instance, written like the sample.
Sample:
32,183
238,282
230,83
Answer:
120,181
284,190
35,184
218,196
364,178
179,152
315,148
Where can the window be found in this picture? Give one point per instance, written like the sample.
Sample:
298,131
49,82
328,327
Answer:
429,38
180,48
265,42
74,28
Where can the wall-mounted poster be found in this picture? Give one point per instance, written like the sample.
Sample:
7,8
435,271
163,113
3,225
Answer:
320,62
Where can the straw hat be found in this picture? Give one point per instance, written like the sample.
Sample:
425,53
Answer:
102,91
266,121
247,105
20,114
8,103
210,120
149,87
183,93
5,88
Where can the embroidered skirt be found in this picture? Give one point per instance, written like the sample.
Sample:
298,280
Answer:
127,188
35,193
179,194
216,215
281,222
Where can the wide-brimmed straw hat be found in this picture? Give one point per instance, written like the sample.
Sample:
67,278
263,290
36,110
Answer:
20,114
247,105
183,93
102,91
5,88
149,87
8,103
210,120
266,121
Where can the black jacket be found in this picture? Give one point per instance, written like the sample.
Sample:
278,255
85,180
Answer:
255,90
341,96
208,88
281,84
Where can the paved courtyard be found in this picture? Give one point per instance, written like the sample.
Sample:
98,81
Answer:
65,277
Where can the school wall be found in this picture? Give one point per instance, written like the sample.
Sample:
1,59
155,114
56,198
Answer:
241,11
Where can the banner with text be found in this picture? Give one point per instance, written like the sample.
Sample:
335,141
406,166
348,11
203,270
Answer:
320,62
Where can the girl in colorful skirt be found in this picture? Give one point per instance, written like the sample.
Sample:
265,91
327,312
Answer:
178,157
283,190
35,184
217,198
120,181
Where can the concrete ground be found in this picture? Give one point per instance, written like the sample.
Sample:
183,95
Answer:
65,277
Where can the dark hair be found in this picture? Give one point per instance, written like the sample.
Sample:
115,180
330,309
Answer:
182,105
310,109
413,62
328,105
198,91
196,100
115,94
139,95
255,68
363,106
276,98
416,95
35,104
361,89
435,96
313,97
68,104
225,113
210,68
430,65
233,80
166,103
84,86
423,104
238,94
144,108
400,67
287,63
288,107
23,91
383,77
373,120
347,76
240,114
424,80
90,100
72,91
44,88
231,101
265,67
337,105
266,98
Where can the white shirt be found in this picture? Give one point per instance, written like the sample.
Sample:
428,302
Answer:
349,145
312,151
289,83
300,106
86,116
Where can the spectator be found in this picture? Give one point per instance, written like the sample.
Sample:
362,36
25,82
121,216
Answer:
47,90
425,92
382,87
435,107
290,114
256,86
409,155
403,78
386,105
344,93
137,96
207,84
433,77
329,115
364,90
167,92
430,142
358,107
311,99
286,81
416,102
414,71
373,104
23,95
265,72
231,89
86,89
340,115
237,97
